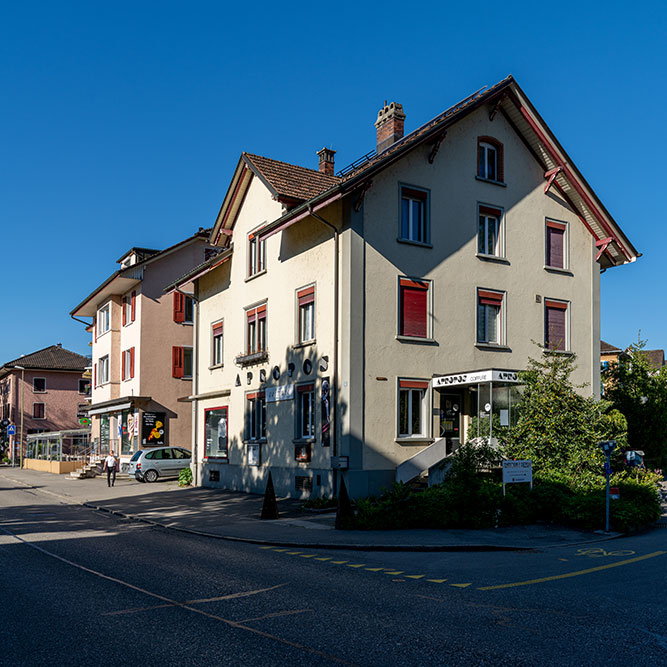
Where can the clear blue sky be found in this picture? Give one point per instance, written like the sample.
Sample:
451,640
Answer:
121,122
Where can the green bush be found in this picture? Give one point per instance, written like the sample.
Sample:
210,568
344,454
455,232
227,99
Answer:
185,477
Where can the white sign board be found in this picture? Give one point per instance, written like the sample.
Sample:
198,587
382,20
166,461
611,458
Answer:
284,392
475,377
517,471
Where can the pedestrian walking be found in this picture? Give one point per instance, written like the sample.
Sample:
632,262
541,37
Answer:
110,465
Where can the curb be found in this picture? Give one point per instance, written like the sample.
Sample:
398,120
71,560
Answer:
472,548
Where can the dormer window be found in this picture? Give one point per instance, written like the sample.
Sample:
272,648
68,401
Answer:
490,159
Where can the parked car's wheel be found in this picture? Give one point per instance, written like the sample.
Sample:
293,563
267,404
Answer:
139,478
150,476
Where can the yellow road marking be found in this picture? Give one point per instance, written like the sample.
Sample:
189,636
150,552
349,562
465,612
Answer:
338,562
437,581
374,569
307,555
461,585
280,550
414,576
358,565
293,553
395,572
573,574
266,547
325,558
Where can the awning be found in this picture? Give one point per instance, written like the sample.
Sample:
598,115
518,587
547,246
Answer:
475,377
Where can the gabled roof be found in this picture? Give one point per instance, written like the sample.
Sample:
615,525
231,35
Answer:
287,183
506,98
122,280
656,358
52,358
289,180
606,348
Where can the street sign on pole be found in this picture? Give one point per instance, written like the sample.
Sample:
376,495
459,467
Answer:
608,447
11,429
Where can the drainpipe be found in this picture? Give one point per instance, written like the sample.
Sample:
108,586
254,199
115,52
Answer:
195,385
334,384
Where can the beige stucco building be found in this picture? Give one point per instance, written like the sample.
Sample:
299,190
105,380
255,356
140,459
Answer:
356,325
142,349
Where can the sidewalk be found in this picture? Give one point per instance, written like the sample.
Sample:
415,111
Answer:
235,516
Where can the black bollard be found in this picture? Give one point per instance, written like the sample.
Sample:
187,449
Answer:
344,511
270,506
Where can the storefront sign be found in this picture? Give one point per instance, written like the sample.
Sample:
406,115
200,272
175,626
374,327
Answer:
475,377
284,392
152,428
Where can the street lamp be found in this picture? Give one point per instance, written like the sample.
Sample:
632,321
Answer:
20,368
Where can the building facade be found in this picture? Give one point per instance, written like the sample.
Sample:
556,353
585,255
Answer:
48,388
357,326
142,360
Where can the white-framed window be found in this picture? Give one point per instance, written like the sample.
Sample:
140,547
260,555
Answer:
556,245
490,159
490,232
104,319
256,255
305,298
256,329
490,317
412,408
556,324
217,340
305,422
103,369
39,385
128,364
414,215
255,416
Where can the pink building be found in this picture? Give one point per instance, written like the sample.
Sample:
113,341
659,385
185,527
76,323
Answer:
142,357
48,385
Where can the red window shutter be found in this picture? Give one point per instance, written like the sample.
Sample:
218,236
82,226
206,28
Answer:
177,362
95,328
555,247
252,315
217,329
554,325
131,362
305,387
490,211
261,312
480,158
306,296
94,375
124,310
123,364
413,384
490,298
133,306
179,307
414,309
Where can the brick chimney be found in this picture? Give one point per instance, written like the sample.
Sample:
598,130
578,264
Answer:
389,125
326,156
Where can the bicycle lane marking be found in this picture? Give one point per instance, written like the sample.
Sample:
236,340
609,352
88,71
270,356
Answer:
568,575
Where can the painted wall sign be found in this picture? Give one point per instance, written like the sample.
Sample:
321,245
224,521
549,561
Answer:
326,412
475,377
283,392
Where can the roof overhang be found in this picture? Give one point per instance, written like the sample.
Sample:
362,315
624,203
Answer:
116,404
232,202
201,270
116,284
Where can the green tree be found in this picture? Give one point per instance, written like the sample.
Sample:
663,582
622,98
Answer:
558,427
639,391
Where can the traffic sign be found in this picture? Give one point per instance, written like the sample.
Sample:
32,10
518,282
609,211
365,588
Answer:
11,429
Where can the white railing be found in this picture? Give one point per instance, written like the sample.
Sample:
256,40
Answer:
422,461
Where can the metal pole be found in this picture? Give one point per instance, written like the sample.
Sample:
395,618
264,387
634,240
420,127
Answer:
491,411
607,470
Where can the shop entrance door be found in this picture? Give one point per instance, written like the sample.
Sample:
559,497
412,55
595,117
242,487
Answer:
450,420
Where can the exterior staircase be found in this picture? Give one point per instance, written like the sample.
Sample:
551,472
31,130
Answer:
88,470
429,459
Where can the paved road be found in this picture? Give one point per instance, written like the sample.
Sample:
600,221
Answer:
80,587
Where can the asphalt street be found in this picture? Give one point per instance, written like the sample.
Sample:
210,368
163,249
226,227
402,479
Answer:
81,587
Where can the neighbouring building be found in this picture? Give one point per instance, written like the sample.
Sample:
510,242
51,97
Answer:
49,387
142,359
356,324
